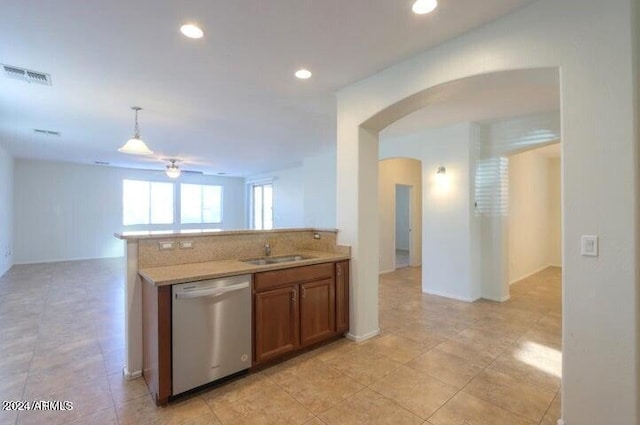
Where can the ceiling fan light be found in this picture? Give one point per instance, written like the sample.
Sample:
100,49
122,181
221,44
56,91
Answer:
173,171
135,146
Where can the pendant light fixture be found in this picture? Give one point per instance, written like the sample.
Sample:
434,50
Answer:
173,170
135,145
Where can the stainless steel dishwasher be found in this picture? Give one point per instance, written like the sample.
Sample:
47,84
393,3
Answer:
211,330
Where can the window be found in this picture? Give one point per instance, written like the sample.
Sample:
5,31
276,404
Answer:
200,204
146,202
262,206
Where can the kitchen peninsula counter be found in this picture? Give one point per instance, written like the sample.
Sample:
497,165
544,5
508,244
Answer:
181,273
158,259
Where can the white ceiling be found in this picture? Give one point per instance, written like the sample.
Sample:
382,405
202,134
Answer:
225,103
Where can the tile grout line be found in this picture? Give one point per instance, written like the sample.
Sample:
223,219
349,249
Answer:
549,407
33,352
512,344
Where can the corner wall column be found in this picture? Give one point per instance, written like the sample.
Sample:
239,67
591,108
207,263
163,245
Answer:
357,219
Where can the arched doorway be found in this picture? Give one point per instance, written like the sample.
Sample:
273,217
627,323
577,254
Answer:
597,111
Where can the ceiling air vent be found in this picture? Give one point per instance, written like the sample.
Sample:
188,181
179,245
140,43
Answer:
27,75
46,132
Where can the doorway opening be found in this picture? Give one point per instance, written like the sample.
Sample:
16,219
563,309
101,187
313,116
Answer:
399,213
403,225
534,224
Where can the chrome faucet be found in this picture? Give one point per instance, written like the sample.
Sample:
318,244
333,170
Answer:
267,249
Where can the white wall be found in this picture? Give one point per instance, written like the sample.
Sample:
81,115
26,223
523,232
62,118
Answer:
534,214
6,210
447,219
496,141
393,171
403,216
305,195
320,191
288,196
590,43
67,211
555,213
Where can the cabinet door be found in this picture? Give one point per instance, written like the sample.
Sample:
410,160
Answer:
317,311
342,296
276,323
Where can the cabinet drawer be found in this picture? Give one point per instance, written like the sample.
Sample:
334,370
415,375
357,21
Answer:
276,278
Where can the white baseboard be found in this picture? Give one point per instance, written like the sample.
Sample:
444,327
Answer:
64,260
499,300
560,422
452,296
131,375
386,271
2,272
360,338
532,273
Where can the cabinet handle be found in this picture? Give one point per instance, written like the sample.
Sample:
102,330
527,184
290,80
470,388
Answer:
338,269
304,292
294,296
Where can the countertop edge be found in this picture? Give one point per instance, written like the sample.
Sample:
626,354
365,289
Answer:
198,233
234,268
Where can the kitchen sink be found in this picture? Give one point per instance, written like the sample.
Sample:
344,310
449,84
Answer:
276,260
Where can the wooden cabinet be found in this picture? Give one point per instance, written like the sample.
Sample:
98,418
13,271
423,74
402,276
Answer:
292,309
342,296
156,340
298,307
317,311
276,323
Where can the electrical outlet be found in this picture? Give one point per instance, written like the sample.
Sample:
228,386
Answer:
316,236
165,245
186,244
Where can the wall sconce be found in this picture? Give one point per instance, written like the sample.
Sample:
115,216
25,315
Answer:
442,183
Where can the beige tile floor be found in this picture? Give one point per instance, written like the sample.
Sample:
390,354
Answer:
436,362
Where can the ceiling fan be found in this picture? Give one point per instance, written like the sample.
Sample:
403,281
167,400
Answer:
173,170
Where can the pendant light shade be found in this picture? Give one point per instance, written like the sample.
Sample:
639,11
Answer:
173,170
135,145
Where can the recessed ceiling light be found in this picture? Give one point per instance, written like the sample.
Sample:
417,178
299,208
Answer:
422,7
191,31
303,74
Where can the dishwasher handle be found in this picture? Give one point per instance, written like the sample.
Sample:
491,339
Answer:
212,292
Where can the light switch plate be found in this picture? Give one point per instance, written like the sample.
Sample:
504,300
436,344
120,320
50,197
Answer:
589,245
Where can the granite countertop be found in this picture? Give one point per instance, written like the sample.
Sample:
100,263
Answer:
169,275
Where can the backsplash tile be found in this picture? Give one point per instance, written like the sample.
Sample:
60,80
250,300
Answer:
229,246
